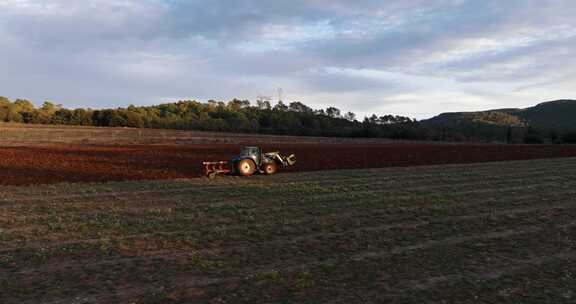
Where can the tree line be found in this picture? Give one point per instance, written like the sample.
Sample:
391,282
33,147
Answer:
236,115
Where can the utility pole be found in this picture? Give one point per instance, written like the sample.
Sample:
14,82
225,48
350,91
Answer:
280,94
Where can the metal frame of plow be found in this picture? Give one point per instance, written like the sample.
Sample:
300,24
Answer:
212,169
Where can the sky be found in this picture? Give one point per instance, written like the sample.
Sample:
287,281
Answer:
416,58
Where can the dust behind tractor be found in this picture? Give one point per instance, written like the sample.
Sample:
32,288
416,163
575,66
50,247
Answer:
251,160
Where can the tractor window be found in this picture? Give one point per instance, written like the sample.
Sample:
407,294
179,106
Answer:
250,151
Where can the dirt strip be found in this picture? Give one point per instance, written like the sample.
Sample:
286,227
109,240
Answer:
79,163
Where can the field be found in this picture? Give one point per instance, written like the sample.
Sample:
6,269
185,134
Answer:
92,215
475,233
25,134
53,154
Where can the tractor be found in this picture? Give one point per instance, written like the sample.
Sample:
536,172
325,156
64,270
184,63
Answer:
250,160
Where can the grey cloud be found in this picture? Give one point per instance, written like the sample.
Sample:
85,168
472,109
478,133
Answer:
543,59
333,82
115,53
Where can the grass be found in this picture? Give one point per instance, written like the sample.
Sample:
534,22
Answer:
480,233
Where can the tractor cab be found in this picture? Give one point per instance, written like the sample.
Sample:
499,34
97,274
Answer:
253,153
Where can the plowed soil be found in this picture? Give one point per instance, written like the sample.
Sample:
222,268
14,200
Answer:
80,163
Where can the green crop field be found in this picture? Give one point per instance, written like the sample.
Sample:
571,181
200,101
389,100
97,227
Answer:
481,233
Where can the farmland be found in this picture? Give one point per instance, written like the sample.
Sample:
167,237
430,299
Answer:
54,154
96,215
474,233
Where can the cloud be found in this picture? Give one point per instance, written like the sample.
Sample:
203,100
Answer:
418,56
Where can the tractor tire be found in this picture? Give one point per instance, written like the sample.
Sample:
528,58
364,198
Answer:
270,168
246,167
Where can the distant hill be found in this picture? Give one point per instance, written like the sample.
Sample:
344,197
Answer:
553,115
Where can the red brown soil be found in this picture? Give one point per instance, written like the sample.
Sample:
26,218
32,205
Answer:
55,164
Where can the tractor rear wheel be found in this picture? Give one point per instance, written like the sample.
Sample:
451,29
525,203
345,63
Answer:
270,168
246,167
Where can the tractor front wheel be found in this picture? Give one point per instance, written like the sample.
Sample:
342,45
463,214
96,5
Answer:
246,167
270,168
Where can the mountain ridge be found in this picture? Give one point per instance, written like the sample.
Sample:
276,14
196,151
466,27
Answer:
557,114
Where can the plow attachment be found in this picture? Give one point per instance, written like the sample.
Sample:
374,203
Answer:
212,169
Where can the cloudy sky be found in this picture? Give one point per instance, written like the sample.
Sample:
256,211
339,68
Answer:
409,57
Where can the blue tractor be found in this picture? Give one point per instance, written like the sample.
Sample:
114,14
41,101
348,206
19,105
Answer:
251,160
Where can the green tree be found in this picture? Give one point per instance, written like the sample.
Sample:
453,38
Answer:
350,116
46,113
5,106
333,112
81,117
25,108
299,107
569,138
532,136
237,105
263,104
280,107
61,117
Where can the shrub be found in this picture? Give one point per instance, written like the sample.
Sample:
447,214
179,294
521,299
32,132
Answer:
533,139
569,138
